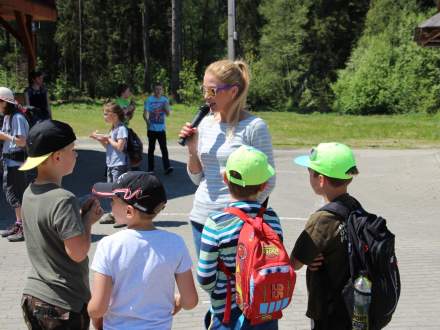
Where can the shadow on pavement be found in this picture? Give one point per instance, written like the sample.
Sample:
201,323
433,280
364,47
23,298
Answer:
170,223
90,168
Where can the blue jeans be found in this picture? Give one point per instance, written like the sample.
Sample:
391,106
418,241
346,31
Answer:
197,229
239,322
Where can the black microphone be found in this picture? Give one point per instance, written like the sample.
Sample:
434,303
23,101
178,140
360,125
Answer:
203,111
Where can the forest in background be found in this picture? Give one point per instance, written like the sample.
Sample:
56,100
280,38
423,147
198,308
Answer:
354,57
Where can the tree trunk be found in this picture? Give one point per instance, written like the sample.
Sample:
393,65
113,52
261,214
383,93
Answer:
176,46
145,46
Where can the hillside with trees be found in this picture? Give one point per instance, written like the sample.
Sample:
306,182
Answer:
354,57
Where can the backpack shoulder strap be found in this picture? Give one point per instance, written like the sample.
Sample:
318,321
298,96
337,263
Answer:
338,209
244,216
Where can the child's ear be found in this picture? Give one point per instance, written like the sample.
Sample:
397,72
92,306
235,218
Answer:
129,211
322,180
225,178
262,186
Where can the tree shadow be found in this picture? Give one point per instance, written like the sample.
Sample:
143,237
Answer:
90,168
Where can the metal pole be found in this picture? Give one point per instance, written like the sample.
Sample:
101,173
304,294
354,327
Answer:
232,34
80,43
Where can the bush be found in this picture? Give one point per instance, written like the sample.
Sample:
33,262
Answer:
388,73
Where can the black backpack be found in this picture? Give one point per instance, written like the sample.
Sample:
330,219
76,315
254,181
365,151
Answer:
134,148
370,252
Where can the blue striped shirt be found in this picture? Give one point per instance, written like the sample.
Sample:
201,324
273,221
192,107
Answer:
219,239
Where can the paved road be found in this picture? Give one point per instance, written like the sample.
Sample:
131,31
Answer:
400,185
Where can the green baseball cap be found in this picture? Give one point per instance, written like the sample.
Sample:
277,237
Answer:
251,165
332,159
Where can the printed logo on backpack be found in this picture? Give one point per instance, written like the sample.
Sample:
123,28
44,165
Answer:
264,276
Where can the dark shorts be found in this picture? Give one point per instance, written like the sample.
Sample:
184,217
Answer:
40,315
14,185
113,173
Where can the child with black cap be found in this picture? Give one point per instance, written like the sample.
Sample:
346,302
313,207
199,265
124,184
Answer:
57,233
136,269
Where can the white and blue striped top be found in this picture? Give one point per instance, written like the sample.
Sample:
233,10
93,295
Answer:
215,144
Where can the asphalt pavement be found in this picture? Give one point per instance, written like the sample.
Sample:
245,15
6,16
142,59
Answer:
400,185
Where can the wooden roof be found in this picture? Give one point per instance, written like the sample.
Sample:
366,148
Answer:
427,34
40,10
24,12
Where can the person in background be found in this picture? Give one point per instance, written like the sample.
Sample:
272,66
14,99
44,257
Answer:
156,108
225,129
37,98
125,101
115,144
13,134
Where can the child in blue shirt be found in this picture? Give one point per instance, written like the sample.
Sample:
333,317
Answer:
156,108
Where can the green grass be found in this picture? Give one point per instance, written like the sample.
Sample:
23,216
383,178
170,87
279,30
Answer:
287,129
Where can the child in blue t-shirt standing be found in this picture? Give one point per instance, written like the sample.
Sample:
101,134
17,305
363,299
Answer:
156,108
115,143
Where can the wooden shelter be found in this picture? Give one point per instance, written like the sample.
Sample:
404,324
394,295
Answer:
427,34
24,13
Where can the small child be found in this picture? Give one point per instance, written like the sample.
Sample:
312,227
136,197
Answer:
57,232
127,105
115,145
13,134
246,175
156,109
320,246
135,269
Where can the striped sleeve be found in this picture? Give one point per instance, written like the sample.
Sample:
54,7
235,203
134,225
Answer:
209,251
261,139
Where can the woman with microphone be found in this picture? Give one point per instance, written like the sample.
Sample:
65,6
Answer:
227,127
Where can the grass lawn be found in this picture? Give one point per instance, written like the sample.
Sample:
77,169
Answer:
288,129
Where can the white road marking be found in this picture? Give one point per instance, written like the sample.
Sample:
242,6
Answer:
186,215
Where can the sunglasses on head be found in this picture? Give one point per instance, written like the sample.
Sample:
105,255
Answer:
212,91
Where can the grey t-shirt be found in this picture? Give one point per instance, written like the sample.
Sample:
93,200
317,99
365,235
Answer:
113,156
51,215
19,127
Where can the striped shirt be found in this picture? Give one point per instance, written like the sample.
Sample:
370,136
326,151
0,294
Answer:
215,144
220,239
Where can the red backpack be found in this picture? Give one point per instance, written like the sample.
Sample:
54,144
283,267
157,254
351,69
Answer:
264,275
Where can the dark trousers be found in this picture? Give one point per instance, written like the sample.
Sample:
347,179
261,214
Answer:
40,315
338,319
161,137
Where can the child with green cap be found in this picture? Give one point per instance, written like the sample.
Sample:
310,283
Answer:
247,173
321,245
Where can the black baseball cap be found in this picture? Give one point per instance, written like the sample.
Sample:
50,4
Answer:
45,138
143,191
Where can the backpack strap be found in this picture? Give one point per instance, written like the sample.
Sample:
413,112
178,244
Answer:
228,305
257,224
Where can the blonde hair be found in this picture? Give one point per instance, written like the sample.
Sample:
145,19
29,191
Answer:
114,108
233,73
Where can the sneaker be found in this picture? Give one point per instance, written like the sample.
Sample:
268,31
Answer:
169,170
10,231
119,225
107,218
18,236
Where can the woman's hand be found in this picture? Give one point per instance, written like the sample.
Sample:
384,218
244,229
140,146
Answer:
190,133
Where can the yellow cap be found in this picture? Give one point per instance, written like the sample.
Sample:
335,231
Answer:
32,162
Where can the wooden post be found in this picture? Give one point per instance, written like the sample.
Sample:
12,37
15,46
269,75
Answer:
26,39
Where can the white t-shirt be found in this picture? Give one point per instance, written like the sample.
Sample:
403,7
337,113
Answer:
142,265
